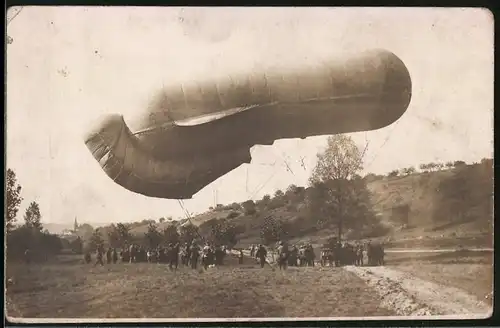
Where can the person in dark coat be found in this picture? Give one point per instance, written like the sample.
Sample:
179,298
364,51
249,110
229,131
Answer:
261,255
109,256
195,254
282,255
240,257
99,257
87,257
174,256
114,255
219,255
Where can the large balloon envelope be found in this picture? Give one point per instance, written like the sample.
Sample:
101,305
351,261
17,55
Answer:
197,132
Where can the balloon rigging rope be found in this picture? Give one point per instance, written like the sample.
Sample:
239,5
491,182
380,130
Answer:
383,144
188,216
180,201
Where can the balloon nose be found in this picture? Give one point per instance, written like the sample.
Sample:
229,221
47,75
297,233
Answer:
397,92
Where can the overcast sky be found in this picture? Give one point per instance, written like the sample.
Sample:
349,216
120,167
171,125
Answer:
67,66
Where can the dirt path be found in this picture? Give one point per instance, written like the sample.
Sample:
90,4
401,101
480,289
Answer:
423,250
411,296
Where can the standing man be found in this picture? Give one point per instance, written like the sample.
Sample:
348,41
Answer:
87,257
109,253
115,256
175,255
195,253
100,253
282,255
188,253
261,255
132,253
240,257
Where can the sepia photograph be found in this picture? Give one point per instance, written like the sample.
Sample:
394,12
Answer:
197,164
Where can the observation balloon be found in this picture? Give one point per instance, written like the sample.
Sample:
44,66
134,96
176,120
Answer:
197,132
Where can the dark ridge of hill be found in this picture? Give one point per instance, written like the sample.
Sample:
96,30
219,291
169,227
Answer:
455,204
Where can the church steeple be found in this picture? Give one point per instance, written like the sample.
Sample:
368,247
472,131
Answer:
75,225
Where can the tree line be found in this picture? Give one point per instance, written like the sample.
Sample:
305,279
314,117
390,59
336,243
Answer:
337,197
426,168
31,234
215,231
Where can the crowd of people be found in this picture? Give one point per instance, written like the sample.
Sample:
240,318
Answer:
338,254
353,254
188,254
193,254
286,255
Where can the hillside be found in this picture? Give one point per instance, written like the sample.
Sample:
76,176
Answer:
453,205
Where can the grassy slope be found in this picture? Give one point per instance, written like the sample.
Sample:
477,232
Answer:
419,191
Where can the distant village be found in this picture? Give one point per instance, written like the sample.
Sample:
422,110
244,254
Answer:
78,231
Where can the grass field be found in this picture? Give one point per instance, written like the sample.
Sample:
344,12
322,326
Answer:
75,290
70,289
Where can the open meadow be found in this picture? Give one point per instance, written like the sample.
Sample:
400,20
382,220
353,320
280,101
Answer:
76,290
68,288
